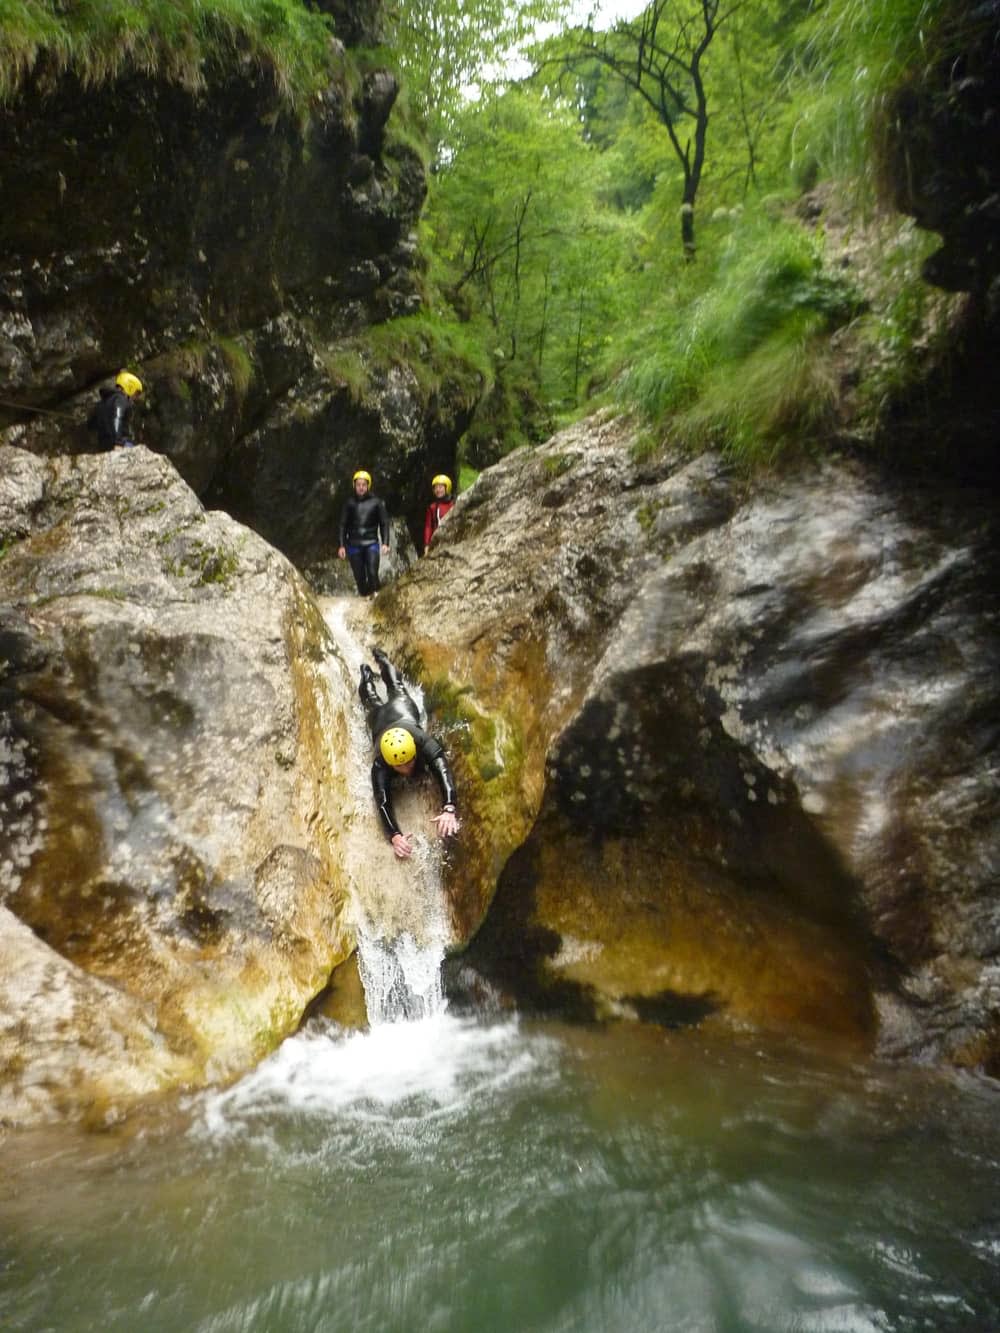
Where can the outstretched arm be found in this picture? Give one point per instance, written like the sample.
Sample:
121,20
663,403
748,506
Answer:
383,799
437,762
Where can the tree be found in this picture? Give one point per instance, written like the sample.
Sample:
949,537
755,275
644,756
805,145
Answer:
516,216
661,55
449,49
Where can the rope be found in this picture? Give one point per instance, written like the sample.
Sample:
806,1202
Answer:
45,411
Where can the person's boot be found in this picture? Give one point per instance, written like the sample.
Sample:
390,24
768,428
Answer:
367,692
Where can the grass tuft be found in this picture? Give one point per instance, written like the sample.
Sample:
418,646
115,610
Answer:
741,360
101,40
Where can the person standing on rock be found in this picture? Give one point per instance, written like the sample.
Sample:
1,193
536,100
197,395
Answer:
441,505
403,749
364,534
112,417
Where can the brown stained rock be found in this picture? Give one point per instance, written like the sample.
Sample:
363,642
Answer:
168,785
784,693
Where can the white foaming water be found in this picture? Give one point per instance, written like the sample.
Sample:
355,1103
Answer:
423,1070
402,979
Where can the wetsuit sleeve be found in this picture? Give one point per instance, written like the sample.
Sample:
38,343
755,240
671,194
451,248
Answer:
434,757
383,799
428,526
120,419
342,530
383,522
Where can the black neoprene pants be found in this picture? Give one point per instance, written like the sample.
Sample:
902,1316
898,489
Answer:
364,564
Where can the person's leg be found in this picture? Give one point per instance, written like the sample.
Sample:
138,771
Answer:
395,688
356,557
373,557
393,680
368,690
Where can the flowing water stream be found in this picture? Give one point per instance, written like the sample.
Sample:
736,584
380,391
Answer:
480,1174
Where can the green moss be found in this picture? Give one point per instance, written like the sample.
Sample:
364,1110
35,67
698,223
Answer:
432,347
346,367
208,564
283,1019
108,594
238,363
646,515
492,746
556,465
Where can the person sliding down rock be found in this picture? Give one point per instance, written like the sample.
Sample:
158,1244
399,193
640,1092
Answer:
363,522
403,749
112,417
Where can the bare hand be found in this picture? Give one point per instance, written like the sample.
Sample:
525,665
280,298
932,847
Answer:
402,845
341,552
385,550
447,823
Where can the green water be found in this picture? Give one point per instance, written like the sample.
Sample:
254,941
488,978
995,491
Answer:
455,1175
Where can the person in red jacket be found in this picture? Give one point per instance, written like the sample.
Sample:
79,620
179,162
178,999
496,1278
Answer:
438,507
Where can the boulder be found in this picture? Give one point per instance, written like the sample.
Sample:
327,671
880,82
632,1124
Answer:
727,750
171,896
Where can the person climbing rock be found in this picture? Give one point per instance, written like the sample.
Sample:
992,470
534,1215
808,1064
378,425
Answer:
441,505
364,523
112,417
403,748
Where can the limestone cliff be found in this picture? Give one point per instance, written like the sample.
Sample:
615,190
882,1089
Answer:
730,749
234,250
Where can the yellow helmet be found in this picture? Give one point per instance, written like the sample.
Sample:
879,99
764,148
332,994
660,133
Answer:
442,480
128,383
362,476
397,746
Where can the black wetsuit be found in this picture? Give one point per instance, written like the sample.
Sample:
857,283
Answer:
364,528
112,419
399,709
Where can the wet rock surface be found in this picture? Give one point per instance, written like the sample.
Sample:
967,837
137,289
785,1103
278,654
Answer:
170,898
943,149
730,749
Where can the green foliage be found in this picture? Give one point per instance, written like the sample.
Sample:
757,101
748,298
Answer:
735,355
175,39
442,353
847,60
529,251
346,367
431,346
511,415
445,49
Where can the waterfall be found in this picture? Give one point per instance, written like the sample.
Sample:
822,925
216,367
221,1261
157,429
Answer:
398,908
402,979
